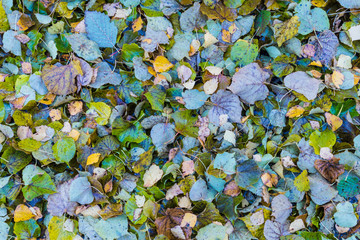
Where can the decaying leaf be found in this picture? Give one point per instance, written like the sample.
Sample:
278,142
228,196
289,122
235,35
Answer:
329,169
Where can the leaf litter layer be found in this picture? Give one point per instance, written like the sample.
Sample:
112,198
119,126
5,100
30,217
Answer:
180,119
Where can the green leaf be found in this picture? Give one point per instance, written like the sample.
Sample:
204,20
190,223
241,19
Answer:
185,123
27,229
29,145
130,207
128,132
103,110
156,96
319,140
37,182
256,230
4,24
59,228
64,149
129,51
16,160
35,37
301,182
282,65
244,52
233,3
22,118
262,21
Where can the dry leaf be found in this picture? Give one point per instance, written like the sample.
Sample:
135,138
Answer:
334,121
329,169
152,175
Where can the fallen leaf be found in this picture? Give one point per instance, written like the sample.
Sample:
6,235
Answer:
152,175
23,213
93,158
329,169
161,64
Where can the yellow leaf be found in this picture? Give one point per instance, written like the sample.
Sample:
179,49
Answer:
334,121
48,99
316,63
93,158
295,111
318,3
55,114
286,30
161,64
23,213
63,10
4,24
189,220
337,78
302,182
226,36
137,25
74,134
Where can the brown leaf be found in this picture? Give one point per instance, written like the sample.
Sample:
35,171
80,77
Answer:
232,189
172,218
329,169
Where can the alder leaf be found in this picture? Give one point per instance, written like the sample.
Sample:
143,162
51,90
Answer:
249,83
349,3
100,29
60,80
329,169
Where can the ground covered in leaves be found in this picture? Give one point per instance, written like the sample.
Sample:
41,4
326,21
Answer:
179,119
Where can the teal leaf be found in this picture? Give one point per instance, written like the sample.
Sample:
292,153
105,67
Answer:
100,29
35,37
248,173
105,75
83,47
112,228
194,99
314,19
345,216
244,52
348,187
64,149
162,134
212,232
80,191
226,162
106,145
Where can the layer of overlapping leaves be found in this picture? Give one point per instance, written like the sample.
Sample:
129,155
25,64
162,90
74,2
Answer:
179,119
